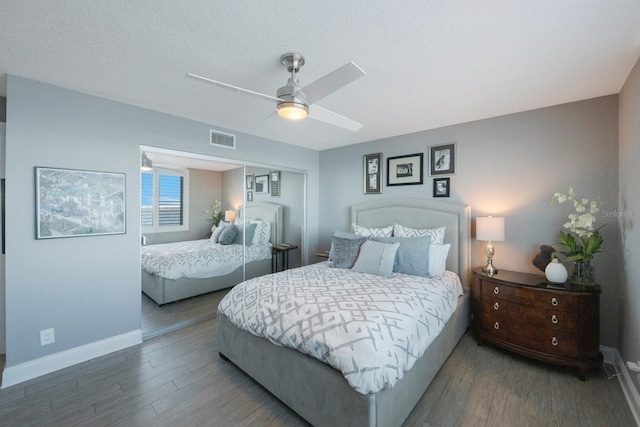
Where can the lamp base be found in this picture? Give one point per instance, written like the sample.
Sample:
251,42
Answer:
489,269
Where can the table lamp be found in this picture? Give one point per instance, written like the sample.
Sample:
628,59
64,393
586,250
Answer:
491,229
230,216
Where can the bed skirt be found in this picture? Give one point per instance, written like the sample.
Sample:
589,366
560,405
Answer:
164,291
319,393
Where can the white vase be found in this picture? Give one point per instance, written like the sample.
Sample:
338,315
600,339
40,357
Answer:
556,272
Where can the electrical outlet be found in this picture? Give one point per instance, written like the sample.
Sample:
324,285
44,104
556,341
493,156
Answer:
47,336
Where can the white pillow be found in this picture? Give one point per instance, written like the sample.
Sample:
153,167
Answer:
437,234
438,259
263,232
217,231
374,232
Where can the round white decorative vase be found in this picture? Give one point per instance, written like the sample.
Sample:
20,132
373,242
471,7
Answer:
556,272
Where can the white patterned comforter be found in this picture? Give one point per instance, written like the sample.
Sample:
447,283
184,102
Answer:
198,259
370,328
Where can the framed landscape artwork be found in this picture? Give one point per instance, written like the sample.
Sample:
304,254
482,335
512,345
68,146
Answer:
405,170
75,203
373,173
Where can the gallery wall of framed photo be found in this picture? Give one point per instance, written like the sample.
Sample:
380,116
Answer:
408,169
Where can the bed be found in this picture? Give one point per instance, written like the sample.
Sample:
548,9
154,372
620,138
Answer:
320,393
165,284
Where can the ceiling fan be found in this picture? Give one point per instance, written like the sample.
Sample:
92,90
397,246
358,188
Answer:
294,102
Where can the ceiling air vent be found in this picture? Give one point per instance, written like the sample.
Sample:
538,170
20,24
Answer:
221,139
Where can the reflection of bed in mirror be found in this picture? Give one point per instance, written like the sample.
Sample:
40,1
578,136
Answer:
175,271
317,391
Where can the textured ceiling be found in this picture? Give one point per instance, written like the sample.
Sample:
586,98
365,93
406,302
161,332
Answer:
429,63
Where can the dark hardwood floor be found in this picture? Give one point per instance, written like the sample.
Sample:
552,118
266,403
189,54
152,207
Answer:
156,320
177,379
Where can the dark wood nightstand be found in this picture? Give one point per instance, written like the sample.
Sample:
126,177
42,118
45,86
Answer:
280,250
523,313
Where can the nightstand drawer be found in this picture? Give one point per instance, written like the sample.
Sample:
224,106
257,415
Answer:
531,296
542,318
551,342
495,326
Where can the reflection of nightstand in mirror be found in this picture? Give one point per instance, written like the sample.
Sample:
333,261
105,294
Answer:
323,254
281,250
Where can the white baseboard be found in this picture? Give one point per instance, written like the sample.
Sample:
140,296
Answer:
34,368
628,387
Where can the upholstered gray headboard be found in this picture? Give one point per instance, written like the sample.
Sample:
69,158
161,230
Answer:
424,213
266,211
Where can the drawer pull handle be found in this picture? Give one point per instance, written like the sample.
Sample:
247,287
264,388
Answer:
554,319
554,302
554,341
496,305
496,325
496,290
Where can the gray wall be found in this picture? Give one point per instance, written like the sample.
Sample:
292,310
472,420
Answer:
628,219
88,288
292,200
509,166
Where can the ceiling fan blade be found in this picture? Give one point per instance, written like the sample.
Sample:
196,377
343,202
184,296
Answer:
331,82
326,116
232,87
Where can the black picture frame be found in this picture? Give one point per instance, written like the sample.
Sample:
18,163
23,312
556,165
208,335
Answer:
261,183
250,196
79,203
372,172
274,183
441,187
405,170
442,159
248,183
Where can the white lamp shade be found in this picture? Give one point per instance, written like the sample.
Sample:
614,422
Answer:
490,228
230,216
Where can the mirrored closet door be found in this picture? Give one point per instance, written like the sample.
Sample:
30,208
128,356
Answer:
190,256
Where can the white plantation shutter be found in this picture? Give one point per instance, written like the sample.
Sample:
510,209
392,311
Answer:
163,195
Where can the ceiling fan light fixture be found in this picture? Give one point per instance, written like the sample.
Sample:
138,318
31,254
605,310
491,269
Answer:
293,110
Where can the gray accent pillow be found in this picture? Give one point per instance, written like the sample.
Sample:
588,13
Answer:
376,258
228,235
345,251
248,229
215,236
345,235
413,254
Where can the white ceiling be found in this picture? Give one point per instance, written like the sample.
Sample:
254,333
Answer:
429,63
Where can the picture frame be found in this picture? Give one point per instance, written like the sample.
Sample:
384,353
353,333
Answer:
248,180
79,203
372,171
274,183
441,187
261,184
442,159
250,196
405,170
